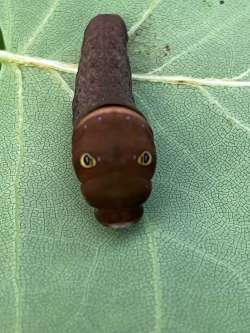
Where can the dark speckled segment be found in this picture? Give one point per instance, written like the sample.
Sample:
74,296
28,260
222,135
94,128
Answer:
104,74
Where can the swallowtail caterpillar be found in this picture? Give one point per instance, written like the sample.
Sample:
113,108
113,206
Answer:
113,150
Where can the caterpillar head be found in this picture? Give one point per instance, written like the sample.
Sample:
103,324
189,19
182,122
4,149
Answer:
114,158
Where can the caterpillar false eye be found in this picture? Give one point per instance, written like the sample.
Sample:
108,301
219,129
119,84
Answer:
145,158
87,161
106,122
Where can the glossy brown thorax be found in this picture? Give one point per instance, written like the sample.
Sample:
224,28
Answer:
113,148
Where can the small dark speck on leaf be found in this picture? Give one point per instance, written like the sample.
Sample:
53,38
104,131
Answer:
222,2
207,3
228,123
167,49
137,33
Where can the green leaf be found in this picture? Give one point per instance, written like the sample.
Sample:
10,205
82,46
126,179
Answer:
185,267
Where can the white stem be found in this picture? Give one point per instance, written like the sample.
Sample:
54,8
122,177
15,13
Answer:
211,82
25,60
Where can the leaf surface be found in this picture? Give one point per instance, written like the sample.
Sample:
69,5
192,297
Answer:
185,267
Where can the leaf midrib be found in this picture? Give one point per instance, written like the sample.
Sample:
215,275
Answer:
20,143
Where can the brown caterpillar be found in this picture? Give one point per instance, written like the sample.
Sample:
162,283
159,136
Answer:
113,150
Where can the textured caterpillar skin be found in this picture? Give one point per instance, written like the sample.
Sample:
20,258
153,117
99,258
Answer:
108,126
104,75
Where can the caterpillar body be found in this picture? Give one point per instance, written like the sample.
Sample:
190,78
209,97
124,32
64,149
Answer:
113,150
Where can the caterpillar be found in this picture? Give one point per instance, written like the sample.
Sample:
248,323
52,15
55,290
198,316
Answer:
113,150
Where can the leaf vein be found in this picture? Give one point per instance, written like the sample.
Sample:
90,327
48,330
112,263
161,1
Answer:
242,75
202,41
64,84
156,277
145,15
20,113
91,272
223,110
41,26
53,65
213,259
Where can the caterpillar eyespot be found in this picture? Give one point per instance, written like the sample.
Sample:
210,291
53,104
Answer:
145,158
87,161
107,123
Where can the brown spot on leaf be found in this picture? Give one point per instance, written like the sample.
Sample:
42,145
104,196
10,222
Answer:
166,49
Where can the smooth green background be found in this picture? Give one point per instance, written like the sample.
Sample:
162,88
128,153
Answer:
185,268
